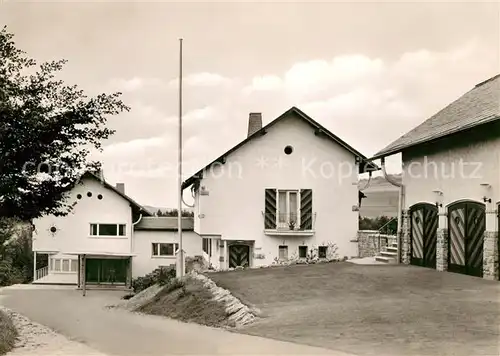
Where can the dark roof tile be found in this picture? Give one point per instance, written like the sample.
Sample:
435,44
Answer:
164,223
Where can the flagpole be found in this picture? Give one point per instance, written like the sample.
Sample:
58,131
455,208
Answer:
180,270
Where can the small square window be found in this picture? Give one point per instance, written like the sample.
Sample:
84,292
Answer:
93,230
302,251
121,230
283,252
322,250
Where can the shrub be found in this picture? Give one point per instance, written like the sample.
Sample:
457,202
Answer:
10,275
8,334
160,276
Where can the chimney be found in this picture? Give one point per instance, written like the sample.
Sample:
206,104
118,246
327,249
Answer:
120,187
254,123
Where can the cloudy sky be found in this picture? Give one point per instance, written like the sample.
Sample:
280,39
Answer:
368,72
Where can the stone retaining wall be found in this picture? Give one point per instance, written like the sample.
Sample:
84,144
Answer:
239,313
490,255
442,250
371,243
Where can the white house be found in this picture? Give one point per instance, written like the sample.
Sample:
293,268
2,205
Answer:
451,185
108,235
289,190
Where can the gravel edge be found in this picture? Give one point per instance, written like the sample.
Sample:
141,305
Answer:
36,339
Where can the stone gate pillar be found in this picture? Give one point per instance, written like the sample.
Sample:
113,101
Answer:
405,247
490,247
442,241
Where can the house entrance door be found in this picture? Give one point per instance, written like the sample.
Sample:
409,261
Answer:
239,255
467,223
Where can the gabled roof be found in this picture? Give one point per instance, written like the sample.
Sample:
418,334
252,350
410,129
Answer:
164,223
320,130
132,202
478,106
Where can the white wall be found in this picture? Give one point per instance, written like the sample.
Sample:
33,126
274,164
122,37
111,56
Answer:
73,230
441,169
234,206
143,262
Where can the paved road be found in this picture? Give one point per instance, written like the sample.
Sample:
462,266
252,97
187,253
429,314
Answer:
117,332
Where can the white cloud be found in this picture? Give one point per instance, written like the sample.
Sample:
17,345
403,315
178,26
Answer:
133,84
202,114
134,147
203,79
359,97
318,77
264,83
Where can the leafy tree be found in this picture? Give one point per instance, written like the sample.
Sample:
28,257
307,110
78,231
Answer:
47,129
16,256
159,213
388,224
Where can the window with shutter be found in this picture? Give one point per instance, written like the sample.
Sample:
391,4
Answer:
270,209
306,212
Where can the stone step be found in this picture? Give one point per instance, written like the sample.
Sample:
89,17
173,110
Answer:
388,260
389,254
392,249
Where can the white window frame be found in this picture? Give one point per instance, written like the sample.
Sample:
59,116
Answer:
91,231
285,224
59,262
157,249
208,242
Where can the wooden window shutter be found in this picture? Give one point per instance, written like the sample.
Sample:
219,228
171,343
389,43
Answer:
306,212
270,209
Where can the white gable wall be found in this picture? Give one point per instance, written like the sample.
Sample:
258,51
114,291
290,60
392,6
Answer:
442,170
234,206
144,262
73,230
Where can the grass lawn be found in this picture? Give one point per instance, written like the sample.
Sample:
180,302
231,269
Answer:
372,310
7,334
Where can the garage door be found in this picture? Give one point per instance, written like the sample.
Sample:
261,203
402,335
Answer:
423,235
467,223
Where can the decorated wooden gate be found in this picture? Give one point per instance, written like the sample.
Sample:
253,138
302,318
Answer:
239,255
466,224
423,234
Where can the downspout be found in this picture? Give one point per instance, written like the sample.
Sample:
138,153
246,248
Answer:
400,208
132,233
184,202
367,183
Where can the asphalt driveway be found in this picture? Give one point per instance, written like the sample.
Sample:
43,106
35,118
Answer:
372,310
117,332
